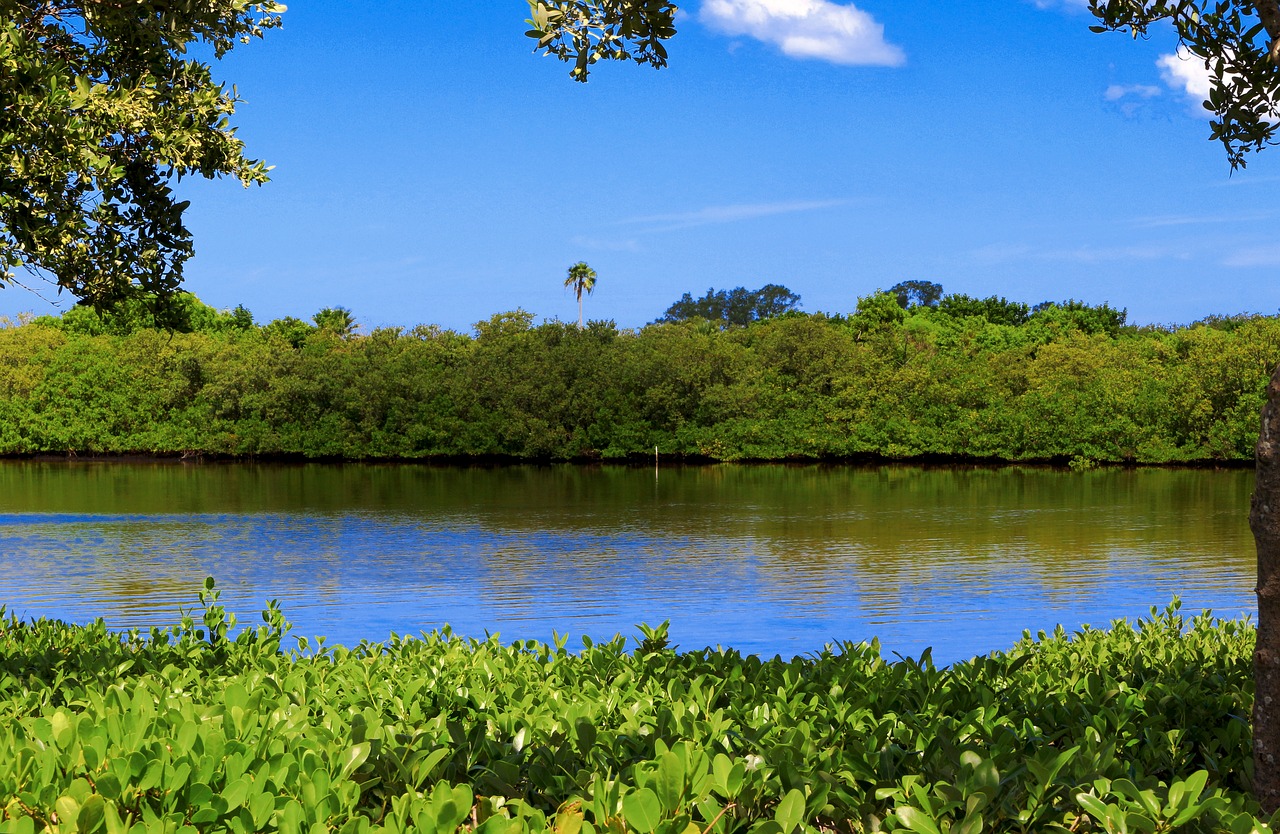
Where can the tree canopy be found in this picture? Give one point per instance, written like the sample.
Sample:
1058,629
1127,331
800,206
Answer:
917,293
101,109
582,32
737,306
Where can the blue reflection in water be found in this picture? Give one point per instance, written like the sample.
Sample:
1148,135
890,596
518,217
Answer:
363,574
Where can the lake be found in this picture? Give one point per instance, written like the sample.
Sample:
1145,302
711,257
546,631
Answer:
769,559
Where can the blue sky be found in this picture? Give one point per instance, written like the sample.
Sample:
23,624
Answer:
431,169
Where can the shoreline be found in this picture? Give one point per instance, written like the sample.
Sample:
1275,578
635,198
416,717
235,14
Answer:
933,461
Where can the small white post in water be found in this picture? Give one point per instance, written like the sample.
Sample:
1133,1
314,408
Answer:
655,463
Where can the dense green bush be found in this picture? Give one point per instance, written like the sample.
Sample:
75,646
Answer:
1066,382
1138,728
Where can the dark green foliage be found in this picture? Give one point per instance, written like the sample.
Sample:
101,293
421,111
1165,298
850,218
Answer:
735,307
1226,322
290,330
180,312
582,32
1071,383
995,309
198,728
916,293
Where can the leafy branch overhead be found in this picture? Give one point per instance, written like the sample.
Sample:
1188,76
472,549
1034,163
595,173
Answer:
1237,41
100,109
582,32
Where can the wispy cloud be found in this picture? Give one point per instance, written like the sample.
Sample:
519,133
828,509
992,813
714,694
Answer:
716,215
1233,182
1117,92
1071,5
1101,254
1254,256
1005,252
1196,220
1130,99
816,29
605,244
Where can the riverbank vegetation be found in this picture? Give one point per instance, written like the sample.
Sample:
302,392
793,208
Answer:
196,728
963,378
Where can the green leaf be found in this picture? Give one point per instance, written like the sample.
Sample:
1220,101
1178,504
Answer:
1186,791
642,810
766,827
237,792
668,782
261,808
353,758
916,820
237,697
67,810
92,815
790,811
568,821
424,769
1094,806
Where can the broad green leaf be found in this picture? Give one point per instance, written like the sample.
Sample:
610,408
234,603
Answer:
353,758
237,792
92,815
1094,806
668,782
916,820
261,807
1186,791
790,811
642,810
67,810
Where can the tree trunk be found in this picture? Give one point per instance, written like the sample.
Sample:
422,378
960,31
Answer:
1264,520
1269,14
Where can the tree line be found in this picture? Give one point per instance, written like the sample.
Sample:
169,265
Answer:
961,379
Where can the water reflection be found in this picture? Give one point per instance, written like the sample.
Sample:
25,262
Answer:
767,558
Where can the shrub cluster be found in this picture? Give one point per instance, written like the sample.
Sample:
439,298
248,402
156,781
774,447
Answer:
1137,728
979,379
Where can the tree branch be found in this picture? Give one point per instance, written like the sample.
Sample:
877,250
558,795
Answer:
1269,13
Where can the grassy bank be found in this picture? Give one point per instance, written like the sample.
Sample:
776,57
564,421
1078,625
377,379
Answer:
1139,728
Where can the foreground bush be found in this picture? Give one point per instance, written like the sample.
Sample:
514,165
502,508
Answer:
1138,728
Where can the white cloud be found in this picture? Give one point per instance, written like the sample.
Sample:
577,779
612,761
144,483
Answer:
1118,91
714,215
819,29
1186,73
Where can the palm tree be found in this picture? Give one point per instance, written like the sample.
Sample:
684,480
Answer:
336,320
582,278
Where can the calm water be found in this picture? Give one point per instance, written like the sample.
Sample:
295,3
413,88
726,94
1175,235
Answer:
769,559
